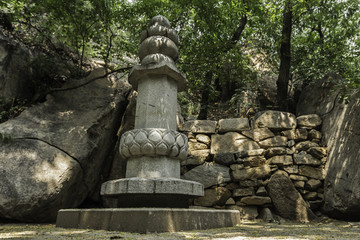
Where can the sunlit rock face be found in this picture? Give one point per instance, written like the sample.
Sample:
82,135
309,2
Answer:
59,149
341,133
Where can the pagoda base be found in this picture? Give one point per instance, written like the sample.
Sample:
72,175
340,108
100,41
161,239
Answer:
144,220
151,192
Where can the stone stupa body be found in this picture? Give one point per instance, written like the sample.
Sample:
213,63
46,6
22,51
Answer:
154,148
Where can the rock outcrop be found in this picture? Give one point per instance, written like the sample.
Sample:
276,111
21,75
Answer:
59,149
341,133
287,200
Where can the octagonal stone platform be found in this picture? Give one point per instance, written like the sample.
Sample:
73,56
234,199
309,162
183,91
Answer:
152,192
144,220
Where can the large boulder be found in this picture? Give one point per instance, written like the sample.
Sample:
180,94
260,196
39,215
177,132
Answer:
287,200
341,134
59,149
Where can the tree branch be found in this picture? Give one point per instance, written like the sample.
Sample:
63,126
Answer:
87,82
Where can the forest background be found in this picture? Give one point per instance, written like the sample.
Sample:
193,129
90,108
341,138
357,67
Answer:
225,46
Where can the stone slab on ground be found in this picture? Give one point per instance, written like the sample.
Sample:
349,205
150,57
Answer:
145,220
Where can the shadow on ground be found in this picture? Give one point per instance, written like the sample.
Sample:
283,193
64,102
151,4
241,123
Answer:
324,229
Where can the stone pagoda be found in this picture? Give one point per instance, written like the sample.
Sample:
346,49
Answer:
154,148
152,197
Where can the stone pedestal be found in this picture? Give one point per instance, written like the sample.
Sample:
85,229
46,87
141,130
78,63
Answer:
144,220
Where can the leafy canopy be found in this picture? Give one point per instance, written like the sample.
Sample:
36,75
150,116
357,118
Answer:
325,37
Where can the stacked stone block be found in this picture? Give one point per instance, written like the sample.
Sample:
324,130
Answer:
236,158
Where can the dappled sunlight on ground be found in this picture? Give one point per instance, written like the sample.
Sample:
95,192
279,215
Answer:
321,230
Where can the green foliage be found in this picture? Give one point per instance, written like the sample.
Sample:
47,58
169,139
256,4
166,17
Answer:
5,138
89,27
50,72
325,38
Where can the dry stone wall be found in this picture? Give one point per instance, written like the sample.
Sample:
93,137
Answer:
274,161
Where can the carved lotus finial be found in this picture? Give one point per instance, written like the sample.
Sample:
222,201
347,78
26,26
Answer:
158,42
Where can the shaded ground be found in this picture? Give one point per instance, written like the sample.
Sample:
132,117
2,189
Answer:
325,229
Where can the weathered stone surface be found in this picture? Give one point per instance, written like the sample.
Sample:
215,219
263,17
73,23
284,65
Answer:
37,173
258,134
291,143
199,126
230,201
287,200
254,161
213,196
249,153
299,184
203,138
304,146
233,125
296,134
255,200
281,172
154,142
309,121
145,220
266,215
208,174
232,186
313,184
311,172
224,158
158,45
59,150
234,167
262,192
158,30
291,169
252,173
310,196
277,141
303,158
241,192
197,157
275,120
246,212
270,152
150,112
318,152
231,142
193,146
281,160
314,134
298,177
341,134
250,183
151,186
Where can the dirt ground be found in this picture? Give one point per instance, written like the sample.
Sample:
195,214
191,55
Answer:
324,229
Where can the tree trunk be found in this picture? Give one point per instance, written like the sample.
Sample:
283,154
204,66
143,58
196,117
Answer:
285,58
205,94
